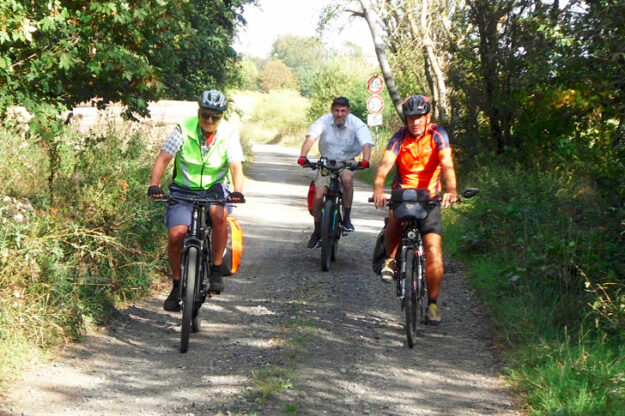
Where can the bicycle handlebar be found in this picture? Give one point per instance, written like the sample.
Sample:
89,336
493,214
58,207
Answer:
468,193
331,165
195,200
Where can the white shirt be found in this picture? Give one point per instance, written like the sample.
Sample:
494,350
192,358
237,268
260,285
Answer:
340,143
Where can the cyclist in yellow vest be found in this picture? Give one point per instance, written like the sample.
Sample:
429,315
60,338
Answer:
208,156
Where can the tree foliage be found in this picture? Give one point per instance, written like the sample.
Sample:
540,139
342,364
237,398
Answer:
276,75
304,55
57,53
249,75
343,77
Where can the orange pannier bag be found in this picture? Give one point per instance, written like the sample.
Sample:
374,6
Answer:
234,247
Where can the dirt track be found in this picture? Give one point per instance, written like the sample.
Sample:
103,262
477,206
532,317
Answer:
334,339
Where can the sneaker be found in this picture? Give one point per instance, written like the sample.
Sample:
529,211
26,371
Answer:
387,274
432,317
347,226
315,241
216,281
172,303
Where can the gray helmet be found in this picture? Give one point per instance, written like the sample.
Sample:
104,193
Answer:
416,105
213,100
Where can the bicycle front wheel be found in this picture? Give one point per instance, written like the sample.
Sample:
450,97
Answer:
422,288
190,271
410,297
327,234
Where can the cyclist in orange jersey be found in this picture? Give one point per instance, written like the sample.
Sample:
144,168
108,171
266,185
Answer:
421,153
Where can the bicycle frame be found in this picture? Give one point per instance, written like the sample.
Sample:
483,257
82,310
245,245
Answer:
331,208
334,193
410,257
411,240
197,236
196,251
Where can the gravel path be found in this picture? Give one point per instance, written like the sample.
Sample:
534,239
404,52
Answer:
284,338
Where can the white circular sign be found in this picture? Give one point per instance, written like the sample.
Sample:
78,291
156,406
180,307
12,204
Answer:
375,104
375,84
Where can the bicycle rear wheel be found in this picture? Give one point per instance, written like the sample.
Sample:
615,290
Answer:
337,237
335,249
190,270
410,297
327,234
196,322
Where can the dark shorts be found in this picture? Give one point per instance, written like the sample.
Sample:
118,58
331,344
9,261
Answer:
433,223
181,213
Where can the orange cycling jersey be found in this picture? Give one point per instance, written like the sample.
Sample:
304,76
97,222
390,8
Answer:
418,160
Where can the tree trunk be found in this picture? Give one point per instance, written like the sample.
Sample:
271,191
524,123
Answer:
371,19
440,88
486,20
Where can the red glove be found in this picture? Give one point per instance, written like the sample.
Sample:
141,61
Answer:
302,160
363,164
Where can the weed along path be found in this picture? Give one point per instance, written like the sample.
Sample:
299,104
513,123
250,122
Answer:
284,338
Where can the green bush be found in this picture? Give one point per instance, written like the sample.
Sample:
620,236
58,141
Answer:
546,251
64,266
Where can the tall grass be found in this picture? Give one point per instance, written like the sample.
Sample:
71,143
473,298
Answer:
64,266
547,253
282,115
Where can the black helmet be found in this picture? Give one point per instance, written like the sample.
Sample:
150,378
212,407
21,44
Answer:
416,105
213,100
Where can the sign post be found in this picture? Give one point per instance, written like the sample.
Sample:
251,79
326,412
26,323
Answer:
375,103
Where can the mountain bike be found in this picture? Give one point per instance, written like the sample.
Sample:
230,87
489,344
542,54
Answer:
195,264
332,207
410,206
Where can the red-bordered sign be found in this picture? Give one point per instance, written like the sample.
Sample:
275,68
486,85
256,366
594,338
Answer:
375,104
375,84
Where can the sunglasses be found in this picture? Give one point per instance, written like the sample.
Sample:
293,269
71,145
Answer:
213,117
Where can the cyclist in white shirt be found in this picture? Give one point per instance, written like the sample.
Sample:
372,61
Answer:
342,137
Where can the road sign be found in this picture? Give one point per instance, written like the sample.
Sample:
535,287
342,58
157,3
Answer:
375,84
374,119
375,104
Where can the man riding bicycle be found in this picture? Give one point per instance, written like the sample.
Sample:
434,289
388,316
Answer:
342,137
420,152
207,153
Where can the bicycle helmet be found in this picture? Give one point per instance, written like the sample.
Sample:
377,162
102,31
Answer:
213,100
416,105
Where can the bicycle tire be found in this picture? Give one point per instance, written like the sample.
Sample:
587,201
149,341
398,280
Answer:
190,270
327,234
422,289
337,236
410,297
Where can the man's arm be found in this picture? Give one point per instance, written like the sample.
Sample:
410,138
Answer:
388,160
366,151
449,175
162,160
236,169
308,143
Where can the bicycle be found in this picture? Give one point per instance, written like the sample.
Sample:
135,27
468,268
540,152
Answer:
410,206
195,264
332,207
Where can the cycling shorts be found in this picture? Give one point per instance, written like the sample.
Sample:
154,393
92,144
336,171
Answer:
433,223
321,180
182,212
